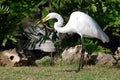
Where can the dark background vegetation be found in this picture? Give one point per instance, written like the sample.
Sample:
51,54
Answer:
105,12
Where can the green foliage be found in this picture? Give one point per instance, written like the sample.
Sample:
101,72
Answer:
4,9
93,47
5,33
11,16
106,13
9,37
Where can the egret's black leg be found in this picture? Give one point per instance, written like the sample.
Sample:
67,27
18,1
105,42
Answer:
81,60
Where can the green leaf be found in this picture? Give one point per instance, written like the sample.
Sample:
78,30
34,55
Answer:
11,37
43,2
4,9
4,42
55,5
94,8
1,1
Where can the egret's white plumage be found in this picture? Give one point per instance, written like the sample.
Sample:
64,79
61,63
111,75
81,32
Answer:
81,24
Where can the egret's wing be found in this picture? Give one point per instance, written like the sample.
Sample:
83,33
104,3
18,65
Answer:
86,26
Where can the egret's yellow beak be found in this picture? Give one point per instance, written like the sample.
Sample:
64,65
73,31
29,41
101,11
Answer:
42,21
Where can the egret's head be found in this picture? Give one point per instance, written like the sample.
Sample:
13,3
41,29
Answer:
49,16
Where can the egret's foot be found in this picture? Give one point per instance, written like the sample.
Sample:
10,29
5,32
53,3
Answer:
79,69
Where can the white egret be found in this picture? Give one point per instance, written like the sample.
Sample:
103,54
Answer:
79,23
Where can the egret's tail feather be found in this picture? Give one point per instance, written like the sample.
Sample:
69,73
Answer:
104,37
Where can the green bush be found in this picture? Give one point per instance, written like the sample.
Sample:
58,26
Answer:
11,14
105,12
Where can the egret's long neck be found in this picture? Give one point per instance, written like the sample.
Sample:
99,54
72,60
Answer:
58,25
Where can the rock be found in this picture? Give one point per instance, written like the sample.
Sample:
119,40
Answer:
73,54
46,60
105,59
43,59
13,58
9,57
48,46
117,53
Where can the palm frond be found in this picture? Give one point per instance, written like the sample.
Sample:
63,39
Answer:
37,35
4,9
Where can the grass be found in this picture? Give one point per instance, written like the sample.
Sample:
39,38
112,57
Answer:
57,72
